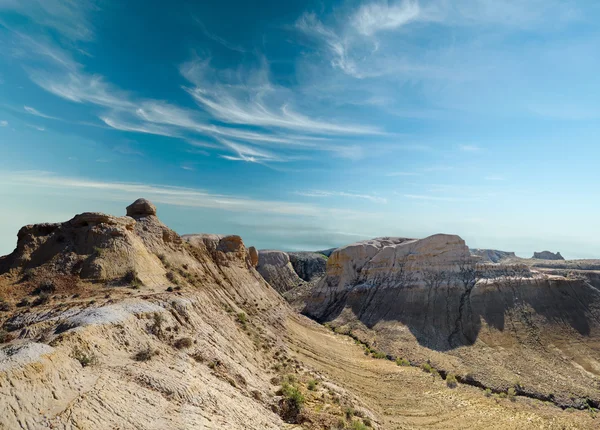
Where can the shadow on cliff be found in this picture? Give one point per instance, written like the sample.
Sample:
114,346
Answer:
446,318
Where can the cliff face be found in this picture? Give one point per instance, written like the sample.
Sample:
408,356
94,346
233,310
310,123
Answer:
275,267
310,266
428,300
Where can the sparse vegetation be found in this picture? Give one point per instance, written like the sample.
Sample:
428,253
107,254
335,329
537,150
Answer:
242,319
145,354
172,277
451,381
426,367
349,413
402,362
312,385
23,302
157,324
512,394
358,425
85,359
45,287
42,299
379,355
184,342
488,392
132,278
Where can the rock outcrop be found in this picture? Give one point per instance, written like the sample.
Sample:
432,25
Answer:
492,255
275,267
309,266
547,255
141,208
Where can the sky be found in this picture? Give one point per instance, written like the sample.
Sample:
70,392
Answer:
304,125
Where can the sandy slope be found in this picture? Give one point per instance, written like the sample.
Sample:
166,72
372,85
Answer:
408,398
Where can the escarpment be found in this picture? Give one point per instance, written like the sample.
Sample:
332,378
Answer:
430,300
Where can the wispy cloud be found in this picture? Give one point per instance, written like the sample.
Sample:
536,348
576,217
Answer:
36,112
325,194
219,39
253,100
3,123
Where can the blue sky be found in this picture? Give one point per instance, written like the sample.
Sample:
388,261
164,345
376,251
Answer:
307,124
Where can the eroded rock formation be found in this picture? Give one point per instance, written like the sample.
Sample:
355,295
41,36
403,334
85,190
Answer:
276,268
429,299
493,255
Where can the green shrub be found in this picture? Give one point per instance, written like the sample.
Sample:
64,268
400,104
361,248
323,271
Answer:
402,362
242,319
349,412
358,425
512,393
502,395
312,385
451,381
426,367
379,355
293,401
488,392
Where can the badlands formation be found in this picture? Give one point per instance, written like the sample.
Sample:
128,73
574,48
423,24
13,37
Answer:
118,322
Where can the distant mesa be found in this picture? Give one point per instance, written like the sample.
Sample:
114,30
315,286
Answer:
547,255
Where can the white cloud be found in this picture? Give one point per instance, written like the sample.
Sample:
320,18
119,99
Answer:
3,123
80,87
322,194
373,17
